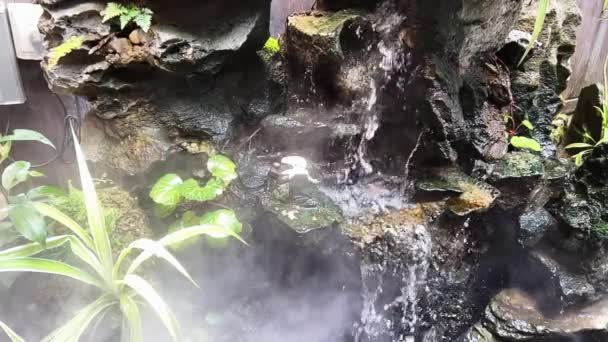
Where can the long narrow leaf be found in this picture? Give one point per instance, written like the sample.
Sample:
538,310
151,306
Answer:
38,265
185,234
75,327
10,333
147,292
65,220
131,329
152,248
538,27
94,211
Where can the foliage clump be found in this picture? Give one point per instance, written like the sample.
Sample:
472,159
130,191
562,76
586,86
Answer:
141,16
272,46
521,142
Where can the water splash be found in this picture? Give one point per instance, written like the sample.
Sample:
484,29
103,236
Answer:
389,313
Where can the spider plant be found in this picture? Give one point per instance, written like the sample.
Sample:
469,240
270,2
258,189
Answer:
538,27
120,287
589,142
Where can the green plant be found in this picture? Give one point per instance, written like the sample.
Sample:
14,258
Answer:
538,27
10,333
272,46
589,142
170,190
519,141
119,285
141,16
64,49
21,213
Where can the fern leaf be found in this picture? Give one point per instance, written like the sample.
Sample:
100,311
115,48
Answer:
64,49
112,10
143,19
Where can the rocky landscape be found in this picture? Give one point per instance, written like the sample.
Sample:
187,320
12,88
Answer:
416,220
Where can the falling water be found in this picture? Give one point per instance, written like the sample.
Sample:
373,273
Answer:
404,256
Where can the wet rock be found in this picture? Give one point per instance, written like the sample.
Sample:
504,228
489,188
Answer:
514,316
396,253
543,76
568,287
314,38
253,171
533,224
333,5
583,206
518,165
478,333
474,196
585,114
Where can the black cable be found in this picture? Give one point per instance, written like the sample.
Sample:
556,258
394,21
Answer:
69,121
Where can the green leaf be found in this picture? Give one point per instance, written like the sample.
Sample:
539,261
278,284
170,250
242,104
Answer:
112,10
27,135
526,143
166,190
96,220
191,191
28,222
272,46
578,158
45,191
15,173
222,168
35,174
10,333
143,19
538,27
66,221
75,327
64,49
152,248
579,145
131,328
527,124
38,265
126,17
147,292
223,217
186,234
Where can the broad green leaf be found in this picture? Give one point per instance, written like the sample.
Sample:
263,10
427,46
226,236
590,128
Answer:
112,10
527,124
65,220
221,167
10,333
186,234
166,190
38,265
579,145
75,327
223,217
147,292
526,143
153,248
27,135
28,222
211,190
538,27
95,216
15,173
5,150
45,191
131,328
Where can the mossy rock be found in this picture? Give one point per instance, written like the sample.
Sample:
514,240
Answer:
125,220
518,165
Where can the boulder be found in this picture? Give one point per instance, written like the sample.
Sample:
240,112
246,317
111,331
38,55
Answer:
514,316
